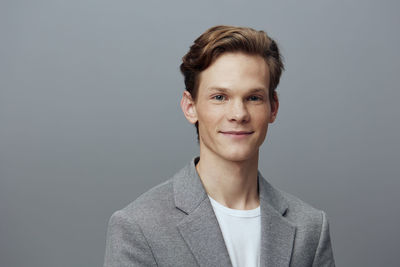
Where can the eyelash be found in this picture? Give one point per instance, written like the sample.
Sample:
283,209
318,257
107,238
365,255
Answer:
215,97
259,98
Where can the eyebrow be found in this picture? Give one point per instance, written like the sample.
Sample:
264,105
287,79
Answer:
225,90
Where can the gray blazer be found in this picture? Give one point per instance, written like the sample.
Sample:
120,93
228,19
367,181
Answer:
174,224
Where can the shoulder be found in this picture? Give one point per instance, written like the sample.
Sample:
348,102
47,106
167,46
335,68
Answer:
312,229
149,206
299,212
293,209
158,207
301,209
129,229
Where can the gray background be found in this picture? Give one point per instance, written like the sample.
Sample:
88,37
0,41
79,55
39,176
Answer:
90,117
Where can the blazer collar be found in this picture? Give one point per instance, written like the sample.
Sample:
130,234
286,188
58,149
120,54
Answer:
189,191
200,228
277,233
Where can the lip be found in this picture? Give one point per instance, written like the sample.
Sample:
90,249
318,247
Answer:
237,132
237,135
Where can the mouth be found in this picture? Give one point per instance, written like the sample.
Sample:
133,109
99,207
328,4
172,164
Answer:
237,134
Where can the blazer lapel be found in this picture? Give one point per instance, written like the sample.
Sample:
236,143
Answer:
277,234
200,228
201,231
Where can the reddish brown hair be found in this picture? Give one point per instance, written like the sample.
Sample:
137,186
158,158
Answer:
221,39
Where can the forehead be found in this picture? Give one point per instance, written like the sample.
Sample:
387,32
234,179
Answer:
235,71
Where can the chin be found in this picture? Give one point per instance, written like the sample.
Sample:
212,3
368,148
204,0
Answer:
239,155
231,151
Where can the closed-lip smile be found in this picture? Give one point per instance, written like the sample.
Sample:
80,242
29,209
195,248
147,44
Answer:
237,132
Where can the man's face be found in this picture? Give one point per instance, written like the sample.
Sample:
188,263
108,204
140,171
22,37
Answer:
233,106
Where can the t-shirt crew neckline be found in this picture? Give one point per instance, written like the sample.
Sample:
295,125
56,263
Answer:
234,212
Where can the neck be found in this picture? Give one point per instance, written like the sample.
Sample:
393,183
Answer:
231,183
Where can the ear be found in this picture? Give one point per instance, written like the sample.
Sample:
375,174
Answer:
188,107
274,102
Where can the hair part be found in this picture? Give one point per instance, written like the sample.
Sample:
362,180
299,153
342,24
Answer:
223,39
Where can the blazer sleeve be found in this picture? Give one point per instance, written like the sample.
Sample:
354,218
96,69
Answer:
126,244
324,255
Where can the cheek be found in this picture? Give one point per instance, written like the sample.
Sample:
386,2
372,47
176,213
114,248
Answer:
209,117
261,120
205,119
261,117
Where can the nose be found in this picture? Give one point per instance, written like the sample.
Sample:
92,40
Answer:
238,112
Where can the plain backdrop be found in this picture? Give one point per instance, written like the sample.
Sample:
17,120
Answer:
90,117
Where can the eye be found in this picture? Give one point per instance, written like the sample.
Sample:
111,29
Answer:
255,98
219,97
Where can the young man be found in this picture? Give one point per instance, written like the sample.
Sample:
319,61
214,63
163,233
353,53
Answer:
219,210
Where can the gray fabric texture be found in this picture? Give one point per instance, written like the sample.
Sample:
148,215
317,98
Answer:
173,224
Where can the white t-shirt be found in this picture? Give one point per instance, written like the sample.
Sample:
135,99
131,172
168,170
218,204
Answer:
241,230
